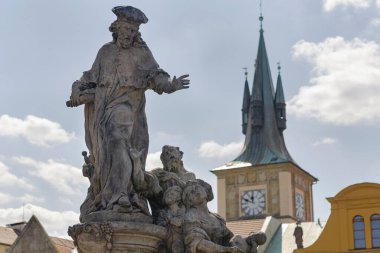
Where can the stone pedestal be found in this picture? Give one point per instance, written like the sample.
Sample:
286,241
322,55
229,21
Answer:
117,237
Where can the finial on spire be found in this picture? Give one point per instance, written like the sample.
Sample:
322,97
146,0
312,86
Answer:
279,67
261,18
246,72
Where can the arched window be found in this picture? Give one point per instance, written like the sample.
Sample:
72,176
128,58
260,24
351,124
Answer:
375,230
359,235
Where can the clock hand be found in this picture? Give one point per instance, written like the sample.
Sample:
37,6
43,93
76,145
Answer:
248,200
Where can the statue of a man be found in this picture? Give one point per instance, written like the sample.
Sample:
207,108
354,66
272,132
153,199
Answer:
113,92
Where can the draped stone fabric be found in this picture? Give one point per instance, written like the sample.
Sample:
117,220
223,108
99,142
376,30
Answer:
115,121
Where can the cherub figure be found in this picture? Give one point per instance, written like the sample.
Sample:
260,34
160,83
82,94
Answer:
172,218
207,232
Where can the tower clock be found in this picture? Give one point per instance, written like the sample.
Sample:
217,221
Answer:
253,202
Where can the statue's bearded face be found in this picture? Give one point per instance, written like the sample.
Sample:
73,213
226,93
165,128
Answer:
126,34
171,158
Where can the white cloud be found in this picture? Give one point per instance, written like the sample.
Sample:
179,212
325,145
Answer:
345,86
330,5
153,161
54,222
7,179
37,131
64,177
212,149
11,181
325,141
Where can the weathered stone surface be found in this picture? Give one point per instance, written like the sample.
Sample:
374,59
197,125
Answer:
207,232
105,216
117,237
113,92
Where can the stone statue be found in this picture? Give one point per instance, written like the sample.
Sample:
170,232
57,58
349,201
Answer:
115,216
191,227
298,234
115,122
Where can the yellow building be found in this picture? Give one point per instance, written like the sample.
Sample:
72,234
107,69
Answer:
354,223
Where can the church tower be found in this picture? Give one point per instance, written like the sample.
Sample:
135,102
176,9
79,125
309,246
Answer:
264,180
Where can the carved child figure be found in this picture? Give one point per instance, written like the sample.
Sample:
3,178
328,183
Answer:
204,231
172,218
249,244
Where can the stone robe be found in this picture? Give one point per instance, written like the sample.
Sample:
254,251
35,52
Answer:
115,121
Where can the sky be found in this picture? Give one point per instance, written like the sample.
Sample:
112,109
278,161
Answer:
329,52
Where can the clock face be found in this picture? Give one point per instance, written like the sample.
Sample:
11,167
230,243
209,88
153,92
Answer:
253,202
300,206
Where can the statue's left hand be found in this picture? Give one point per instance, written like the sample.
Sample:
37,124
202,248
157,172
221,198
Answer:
181,82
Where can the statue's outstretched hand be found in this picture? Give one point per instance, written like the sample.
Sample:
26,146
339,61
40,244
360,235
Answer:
181,82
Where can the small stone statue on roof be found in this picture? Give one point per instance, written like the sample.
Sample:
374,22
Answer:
298,233
113,95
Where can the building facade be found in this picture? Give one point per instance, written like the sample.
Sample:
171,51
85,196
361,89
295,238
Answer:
354,222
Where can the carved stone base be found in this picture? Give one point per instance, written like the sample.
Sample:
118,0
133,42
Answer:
117,237
111,216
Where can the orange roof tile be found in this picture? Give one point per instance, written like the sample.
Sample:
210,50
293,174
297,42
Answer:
245,227
7,236
62,245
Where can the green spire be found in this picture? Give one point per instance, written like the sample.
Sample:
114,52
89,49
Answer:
279,97
279,101
246,102
264,142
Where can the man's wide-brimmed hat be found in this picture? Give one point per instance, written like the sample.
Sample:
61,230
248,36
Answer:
130,14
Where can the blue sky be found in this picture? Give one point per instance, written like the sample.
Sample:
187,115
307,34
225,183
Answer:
330,56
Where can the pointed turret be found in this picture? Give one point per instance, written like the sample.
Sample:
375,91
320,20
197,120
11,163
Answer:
279,102
264,142
246,102
264,172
